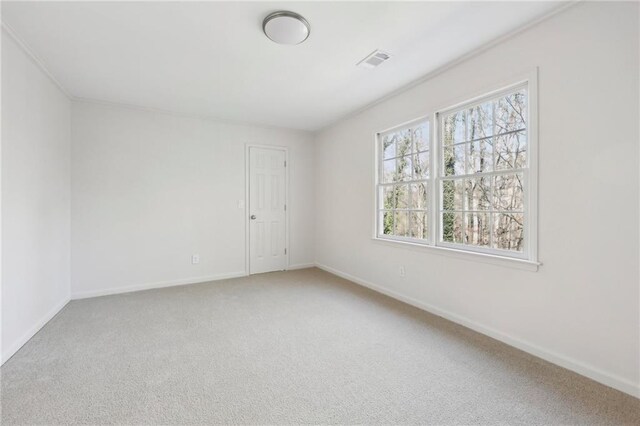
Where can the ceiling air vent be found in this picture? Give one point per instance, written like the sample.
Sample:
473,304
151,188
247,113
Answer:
374,59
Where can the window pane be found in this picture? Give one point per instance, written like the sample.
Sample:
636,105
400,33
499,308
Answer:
388,170
394,197
508,231
448,161
421,165
404,143
401,222
404,168
511,151
508,192
480,156
452,194
480,121
511,112
418,225
418,196
454,159
401,196
452,227
477,229
421,137
387,198
389,146
386,222
454,128
477,193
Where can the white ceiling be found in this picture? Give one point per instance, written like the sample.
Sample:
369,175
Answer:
211,59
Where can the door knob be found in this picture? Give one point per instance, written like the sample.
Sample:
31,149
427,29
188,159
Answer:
253,217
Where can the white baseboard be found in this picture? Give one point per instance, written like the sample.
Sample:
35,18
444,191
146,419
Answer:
581,368
159,284
300,266
8,353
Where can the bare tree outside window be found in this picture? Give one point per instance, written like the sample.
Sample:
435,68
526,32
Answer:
403,187
470,191
483,164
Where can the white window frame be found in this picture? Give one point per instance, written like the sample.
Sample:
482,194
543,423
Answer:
378,183
528,258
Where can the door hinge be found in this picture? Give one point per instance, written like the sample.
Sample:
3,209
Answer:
285,207
285,163
285,251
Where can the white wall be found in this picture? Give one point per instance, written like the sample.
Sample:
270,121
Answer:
35,198
581,308
150,189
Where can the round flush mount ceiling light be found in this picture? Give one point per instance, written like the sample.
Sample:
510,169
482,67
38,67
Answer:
286,27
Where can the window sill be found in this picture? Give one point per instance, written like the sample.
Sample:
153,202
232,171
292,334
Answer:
509,262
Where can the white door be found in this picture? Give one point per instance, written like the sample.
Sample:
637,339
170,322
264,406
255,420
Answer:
267,210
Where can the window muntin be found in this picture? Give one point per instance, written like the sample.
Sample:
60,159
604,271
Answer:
403,182
483,174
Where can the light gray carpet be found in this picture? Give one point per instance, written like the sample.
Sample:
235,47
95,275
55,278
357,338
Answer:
291,347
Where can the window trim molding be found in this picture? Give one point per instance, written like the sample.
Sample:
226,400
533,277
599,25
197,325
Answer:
510,262
527,260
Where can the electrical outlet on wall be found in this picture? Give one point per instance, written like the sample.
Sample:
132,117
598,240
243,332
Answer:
195,259
401,271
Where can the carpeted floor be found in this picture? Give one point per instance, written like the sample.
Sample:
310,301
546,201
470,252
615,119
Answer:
291,347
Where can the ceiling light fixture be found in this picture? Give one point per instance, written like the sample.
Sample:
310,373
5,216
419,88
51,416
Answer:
286,27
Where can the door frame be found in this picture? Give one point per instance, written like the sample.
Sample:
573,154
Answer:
247,201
